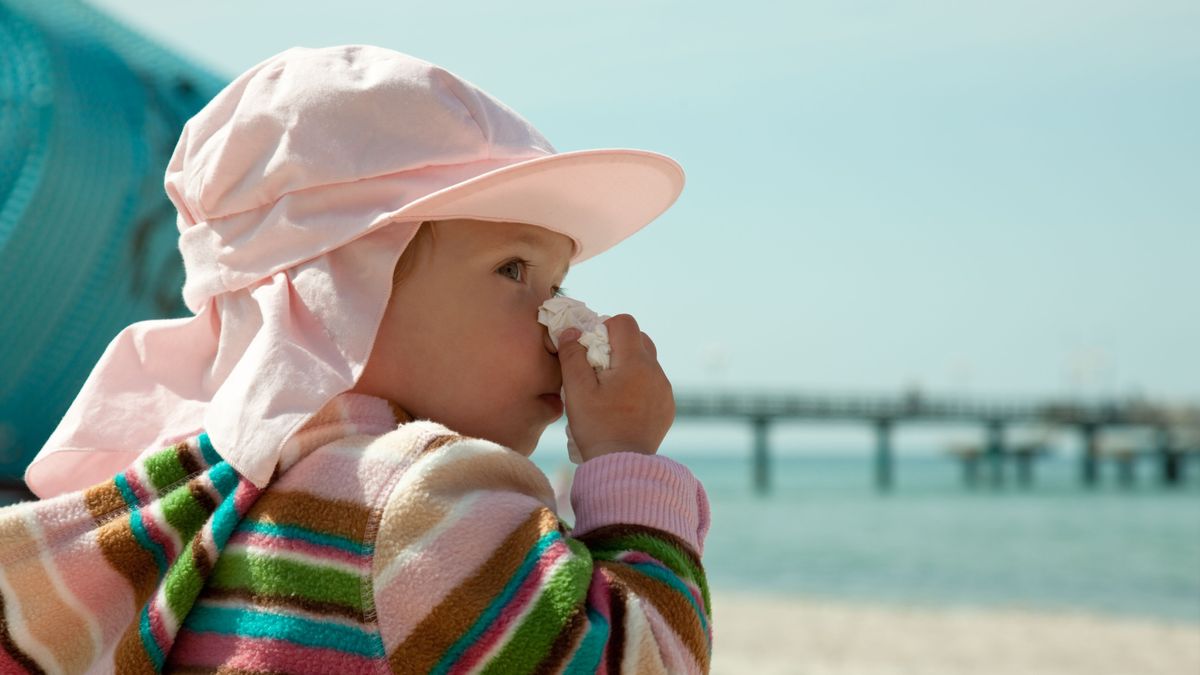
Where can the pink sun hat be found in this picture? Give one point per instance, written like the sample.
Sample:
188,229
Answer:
298,187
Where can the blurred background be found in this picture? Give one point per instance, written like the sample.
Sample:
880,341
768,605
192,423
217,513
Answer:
928,300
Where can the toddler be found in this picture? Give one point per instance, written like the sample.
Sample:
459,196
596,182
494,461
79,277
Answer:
325,469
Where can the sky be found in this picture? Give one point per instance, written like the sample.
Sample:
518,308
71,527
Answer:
989,199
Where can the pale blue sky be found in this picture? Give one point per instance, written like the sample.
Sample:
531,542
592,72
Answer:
1000,200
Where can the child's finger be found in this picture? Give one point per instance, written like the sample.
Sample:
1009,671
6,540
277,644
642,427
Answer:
572,357
624,338
649,345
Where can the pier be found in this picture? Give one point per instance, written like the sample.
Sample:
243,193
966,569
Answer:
1176,429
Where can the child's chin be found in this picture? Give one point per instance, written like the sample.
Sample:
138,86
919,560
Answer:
526,448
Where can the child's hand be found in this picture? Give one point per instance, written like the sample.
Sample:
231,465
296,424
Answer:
627,407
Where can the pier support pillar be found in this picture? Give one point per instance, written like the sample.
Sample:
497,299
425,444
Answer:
1126,463
970,466
883,454
995,452
1169,458
1025,457
762,469
1091,453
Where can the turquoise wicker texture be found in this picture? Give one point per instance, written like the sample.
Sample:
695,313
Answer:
89,114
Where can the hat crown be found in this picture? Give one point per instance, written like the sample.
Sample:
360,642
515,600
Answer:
309,118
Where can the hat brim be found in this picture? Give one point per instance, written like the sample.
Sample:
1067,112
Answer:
595,197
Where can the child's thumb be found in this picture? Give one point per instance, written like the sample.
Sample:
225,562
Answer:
572,356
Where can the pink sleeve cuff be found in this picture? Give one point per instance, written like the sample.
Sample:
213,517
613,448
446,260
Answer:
636,489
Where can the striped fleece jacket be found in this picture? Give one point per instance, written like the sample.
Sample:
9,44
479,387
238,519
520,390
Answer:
382,544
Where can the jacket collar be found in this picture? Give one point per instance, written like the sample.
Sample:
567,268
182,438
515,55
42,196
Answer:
346,414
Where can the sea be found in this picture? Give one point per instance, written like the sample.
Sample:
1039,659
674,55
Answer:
823,531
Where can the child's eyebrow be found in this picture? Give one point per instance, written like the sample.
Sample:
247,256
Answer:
536,244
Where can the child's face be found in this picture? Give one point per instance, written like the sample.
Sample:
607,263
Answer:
460,343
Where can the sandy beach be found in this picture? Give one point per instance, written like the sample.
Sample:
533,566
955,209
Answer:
779,634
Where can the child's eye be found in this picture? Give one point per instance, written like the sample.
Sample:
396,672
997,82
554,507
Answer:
518,264
514,264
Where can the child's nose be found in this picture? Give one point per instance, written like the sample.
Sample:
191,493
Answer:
549,342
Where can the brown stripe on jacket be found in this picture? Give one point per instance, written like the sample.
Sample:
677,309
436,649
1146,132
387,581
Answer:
461,608
486,467
199,492
10,646
615,649
199,670
36,595
200,559
676,609
440,442
126,555
104,501
329,516
188,460
131,658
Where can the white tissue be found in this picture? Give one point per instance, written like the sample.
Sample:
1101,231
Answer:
560,313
